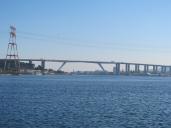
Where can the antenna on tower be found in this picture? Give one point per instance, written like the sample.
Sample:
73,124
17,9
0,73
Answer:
12,63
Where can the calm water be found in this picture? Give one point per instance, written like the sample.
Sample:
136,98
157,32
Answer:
85,102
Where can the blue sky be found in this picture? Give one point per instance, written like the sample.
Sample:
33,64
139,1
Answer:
118,30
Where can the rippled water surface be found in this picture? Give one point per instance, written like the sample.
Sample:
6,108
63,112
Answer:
85,102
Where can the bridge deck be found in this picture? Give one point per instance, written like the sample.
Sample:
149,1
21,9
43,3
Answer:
80,61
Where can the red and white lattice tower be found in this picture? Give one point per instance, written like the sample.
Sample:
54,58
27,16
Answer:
12,63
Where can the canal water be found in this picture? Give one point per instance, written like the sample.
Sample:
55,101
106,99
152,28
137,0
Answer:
85,102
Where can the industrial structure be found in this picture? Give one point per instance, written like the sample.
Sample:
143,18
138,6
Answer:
12,63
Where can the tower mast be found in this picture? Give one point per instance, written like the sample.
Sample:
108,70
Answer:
12,63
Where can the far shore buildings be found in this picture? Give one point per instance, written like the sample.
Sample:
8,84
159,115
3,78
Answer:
23,65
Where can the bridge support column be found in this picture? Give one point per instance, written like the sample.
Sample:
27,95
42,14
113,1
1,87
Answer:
137,69
157,69
154,69
43,66
62,65
169,69
117,68
127,68
146,68
100,65
163,69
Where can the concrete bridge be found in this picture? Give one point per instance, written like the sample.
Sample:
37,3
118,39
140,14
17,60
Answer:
127,67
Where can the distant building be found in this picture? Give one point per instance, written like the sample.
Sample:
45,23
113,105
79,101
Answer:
23,65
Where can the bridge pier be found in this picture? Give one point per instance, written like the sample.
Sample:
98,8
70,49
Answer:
146,68
62,65
117,68
157,68
137,68
100,65
127,68
154,69
163,69
43,66
169,69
